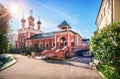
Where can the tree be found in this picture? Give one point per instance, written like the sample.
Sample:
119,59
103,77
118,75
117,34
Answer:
4,24
106,47
3,43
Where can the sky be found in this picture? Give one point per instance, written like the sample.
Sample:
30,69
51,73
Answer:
79,14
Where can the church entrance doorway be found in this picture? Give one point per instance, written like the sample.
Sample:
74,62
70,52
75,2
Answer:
62,42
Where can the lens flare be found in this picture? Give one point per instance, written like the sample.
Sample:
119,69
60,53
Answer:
14,8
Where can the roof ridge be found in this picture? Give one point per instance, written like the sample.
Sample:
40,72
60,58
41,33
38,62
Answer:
64,23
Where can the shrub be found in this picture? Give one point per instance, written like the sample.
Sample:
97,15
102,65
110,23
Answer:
27,50
6,59
36,48
106,47
4,24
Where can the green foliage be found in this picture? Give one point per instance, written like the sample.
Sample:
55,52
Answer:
106,47
27,50
5,46
4,24
36,48
4,19
9,48
3,43
6,59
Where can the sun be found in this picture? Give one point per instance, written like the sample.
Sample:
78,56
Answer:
14,8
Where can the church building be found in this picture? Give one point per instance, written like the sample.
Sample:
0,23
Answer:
60,43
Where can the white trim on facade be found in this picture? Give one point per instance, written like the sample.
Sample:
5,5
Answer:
69,42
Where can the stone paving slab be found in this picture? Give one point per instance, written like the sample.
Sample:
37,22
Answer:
29,68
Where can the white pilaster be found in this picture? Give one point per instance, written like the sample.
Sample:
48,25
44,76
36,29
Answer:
69,39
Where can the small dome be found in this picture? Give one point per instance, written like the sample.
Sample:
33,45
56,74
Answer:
39,22
23,20
31,18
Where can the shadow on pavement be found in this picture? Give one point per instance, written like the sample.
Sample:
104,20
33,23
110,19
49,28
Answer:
81,59
66,62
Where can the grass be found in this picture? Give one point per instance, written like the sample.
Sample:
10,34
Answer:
8,61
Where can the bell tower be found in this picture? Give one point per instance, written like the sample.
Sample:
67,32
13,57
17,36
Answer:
23,22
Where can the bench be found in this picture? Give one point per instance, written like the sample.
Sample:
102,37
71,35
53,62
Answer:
93,64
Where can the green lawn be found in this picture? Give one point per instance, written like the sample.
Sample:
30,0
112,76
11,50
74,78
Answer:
7,61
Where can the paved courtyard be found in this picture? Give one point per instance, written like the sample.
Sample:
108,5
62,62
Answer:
29,68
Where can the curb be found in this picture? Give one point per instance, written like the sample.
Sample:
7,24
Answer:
103,77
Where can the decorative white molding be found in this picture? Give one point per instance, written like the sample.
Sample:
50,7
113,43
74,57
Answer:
55,40
69,42
32,30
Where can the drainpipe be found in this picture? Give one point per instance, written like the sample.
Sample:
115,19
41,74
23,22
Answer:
112,11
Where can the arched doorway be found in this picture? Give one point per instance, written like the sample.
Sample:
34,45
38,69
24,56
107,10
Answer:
62,42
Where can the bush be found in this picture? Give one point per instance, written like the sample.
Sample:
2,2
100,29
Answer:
6,59
27,50
106,47
36,48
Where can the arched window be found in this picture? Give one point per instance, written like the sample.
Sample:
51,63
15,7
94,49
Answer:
47,44
53,44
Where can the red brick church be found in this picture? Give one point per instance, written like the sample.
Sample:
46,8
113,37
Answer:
60,44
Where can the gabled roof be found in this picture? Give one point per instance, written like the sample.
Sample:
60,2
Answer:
42,35
63,24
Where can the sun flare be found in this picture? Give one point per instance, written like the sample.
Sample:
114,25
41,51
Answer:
14,9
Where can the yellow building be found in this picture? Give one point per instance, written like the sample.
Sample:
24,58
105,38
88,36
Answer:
109,12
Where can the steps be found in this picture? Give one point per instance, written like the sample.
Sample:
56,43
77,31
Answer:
56,52
60,53
49,53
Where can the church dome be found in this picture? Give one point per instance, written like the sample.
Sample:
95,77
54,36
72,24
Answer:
39,22
31,18
23,20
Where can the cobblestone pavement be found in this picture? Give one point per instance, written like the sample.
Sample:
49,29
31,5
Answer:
29,68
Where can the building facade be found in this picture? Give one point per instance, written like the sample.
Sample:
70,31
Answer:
12,38
26,32
60,43
109,12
